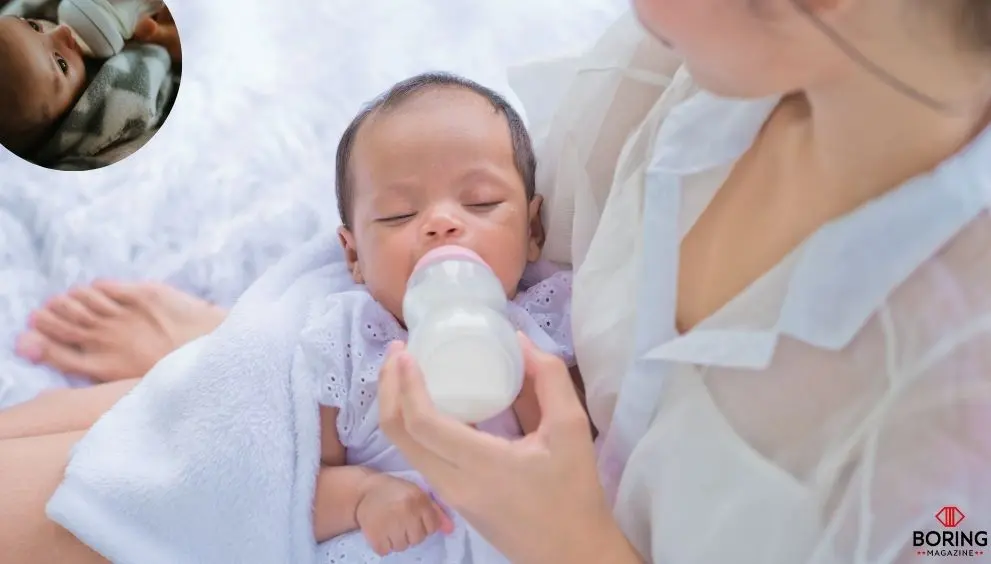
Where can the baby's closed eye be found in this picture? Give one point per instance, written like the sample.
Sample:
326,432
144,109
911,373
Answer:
485,205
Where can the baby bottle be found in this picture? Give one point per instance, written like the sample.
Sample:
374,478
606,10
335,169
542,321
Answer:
455,310
102,26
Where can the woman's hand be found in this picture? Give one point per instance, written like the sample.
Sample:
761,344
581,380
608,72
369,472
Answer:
536,499
160,29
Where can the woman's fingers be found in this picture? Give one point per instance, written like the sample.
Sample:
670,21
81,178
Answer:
393,422
447,438
560,407
389,385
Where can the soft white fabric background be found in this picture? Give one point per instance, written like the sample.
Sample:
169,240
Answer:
243,169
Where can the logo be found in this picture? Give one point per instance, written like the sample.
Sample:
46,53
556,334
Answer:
950,539
950,516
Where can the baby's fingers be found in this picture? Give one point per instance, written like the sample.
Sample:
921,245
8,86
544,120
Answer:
398,538
416,531
433,518
444,522
380,543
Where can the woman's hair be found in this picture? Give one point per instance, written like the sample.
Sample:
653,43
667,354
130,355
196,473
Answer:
975,22
976,19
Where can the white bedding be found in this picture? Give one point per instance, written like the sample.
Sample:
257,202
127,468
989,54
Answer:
243,169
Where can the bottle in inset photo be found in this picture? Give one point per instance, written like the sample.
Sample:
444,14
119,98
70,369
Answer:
103,26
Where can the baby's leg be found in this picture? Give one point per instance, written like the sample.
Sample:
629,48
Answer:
30,470
62,410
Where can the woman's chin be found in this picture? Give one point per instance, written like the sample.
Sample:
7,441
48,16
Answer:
738,86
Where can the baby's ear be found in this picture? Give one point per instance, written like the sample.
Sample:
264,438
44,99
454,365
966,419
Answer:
350,254
537,234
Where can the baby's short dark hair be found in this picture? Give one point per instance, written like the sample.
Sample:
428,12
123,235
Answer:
526,162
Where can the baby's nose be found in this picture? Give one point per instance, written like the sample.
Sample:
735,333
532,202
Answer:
443,225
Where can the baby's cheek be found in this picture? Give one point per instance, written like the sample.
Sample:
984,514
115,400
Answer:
508,267
386,270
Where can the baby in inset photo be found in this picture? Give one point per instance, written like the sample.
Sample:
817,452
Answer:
64,108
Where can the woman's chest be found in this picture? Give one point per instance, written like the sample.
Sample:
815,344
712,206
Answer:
741,465
738,222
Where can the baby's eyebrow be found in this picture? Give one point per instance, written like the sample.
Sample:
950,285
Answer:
484,174
396,188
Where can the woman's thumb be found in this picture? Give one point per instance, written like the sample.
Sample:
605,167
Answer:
552,385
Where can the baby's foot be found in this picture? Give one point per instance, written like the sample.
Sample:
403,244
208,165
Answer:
111,331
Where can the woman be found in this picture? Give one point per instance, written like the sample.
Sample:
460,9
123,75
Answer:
789,297
782,317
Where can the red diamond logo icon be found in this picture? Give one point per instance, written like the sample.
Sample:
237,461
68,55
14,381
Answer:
950,516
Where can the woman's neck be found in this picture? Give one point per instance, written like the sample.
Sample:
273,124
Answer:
862,135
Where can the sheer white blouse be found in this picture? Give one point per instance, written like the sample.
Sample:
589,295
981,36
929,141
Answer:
826,414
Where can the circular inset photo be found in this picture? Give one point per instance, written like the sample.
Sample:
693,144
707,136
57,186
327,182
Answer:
85,83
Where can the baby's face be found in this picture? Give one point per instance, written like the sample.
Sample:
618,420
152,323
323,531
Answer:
437,170
46,61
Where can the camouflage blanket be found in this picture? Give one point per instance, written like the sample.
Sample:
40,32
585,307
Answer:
127,96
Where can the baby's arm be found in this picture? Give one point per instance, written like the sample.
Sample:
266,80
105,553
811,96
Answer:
393,513
339,487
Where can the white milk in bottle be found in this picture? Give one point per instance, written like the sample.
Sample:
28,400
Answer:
455,310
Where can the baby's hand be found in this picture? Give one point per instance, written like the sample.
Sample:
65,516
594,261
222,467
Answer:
395,514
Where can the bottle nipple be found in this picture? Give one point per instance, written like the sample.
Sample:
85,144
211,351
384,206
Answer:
82,44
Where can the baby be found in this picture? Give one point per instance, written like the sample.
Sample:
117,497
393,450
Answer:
436,160
43,72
